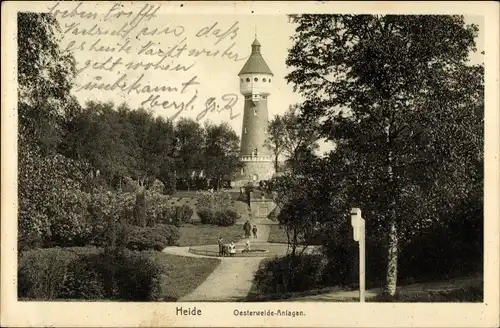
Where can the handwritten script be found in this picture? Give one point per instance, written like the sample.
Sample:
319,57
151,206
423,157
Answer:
138,53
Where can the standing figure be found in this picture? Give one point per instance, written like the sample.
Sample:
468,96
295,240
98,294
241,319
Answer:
247,227
254,230
232,249
221,246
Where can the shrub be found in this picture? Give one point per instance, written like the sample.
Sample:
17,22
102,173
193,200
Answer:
226,218
41,272
50,196
291,274
464,294
53,273
214,201
153,238
182,215
84,281
159,208
206,216
342,252
157,187
128,277
107,207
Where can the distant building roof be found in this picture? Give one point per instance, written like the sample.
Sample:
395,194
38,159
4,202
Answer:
256,63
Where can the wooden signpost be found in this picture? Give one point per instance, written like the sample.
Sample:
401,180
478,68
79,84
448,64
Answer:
358,226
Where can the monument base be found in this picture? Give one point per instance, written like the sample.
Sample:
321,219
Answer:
253,172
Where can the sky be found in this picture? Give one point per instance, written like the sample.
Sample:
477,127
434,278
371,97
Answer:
216,76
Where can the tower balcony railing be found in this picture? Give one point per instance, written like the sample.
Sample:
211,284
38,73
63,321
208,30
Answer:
248,158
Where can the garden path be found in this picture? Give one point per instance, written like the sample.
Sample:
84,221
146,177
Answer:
233,277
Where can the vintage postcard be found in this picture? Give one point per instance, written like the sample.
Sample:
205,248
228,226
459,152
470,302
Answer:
250,164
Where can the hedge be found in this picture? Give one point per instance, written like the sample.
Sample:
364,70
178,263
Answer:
224,219
291,274
54,273
153,238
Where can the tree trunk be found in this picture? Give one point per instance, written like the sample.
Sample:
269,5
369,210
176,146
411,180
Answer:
140,207
392,247
294,245
392,259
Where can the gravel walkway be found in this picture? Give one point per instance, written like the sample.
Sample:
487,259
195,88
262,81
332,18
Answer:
233,277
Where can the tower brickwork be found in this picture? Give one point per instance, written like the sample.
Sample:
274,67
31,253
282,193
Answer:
255,85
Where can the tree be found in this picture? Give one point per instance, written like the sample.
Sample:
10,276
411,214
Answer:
389,92
274,140
52,206
95,133
292,136
189,149
50,197
45,75
221,152
302,203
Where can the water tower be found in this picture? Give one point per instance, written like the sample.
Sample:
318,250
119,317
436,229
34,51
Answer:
255,85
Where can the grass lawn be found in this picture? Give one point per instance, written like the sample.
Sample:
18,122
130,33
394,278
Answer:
182,274
277,235
198,234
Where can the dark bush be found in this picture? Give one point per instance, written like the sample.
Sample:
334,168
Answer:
153,238
129,277
342,252
42,271
52,273
84,281
291,274
465,294
206,216
176,215
182,215
444,250
226,218
448,249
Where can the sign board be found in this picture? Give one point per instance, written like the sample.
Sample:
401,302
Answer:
358,228
356,222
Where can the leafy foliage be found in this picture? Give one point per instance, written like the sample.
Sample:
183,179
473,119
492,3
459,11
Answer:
40,272
45,76
153,238
189,150
390,92
53,273
216,208
51,203
221,151
290,274
226,218
292,137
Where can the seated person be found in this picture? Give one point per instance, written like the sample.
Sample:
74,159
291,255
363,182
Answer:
232,249
247,246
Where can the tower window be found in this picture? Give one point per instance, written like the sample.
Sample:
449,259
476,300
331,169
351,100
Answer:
269,80
255,112
248,79
245,130
264,80
256,79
